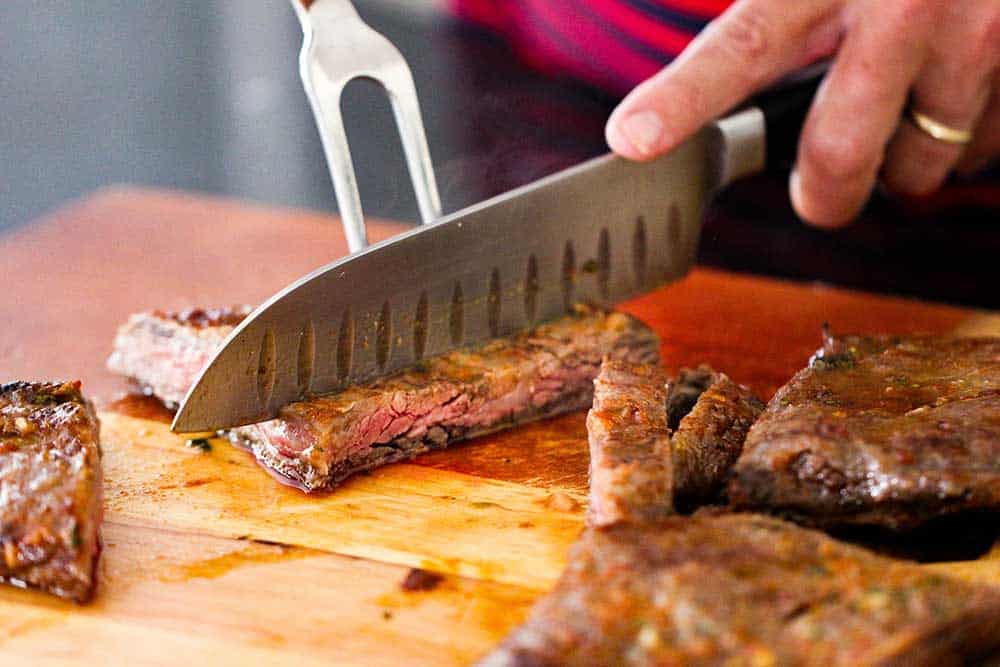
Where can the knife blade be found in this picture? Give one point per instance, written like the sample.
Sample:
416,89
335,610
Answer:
600,232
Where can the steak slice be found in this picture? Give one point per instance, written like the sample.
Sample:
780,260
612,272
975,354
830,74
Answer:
317,443
747,590
50,488
657,443
708,438
883,431
631,466
164,352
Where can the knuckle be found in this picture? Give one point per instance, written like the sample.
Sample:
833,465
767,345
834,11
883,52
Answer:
839,156
746,34
908,13
869,91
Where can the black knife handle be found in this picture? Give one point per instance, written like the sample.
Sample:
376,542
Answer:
785,107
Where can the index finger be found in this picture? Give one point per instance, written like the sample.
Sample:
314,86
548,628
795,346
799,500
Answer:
750,45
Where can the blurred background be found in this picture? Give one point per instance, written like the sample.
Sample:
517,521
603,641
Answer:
204,96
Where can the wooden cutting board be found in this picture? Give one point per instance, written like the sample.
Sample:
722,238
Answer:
209,561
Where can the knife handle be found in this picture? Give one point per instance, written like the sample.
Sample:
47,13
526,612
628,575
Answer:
785,107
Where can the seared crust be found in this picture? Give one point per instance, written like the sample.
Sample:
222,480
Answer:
163,352
631,467
656,443
747,590
50,483
319,442
709,438
883,431
204,318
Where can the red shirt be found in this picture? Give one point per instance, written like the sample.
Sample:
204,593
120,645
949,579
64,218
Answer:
613,44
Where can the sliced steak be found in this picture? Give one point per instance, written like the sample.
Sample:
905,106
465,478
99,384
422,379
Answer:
319,442
748,590
50,488
656,443
631,467
164,352
882,431
708,439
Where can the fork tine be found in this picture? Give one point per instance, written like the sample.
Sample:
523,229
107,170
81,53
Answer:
406,108
344,48
338,157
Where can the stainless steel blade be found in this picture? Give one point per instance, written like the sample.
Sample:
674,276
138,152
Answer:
600,232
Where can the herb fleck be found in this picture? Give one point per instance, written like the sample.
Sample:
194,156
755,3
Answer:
421,580
590,266
201,443
833,362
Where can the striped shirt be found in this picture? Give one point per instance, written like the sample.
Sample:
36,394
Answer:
613,44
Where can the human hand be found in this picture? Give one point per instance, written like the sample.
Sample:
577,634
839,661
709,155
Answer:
941,55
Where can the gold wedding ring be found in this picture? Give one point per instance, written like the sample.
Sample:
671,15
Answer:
940,131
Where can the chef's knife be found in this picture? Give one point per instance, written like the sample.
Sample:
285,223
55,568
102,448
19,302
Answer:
599,232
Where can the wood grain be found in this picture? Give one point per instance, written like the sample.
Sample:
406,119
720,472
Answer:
210,561
174,597
412,515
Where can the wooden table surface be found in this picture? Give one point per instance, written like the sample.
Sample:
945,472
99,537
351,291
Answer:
209,560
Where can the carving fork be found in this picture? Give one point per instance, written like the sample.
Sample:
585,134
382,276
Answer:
337,48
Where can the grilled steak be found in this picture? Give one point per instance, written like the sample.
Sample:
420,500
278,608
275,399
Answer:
880,431
709,437
164,352
319,442
316,443
631,467
50,488
747,590
657,443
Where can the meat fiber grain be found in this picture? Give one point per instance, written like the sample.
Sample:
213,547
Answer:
318,442
549,370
